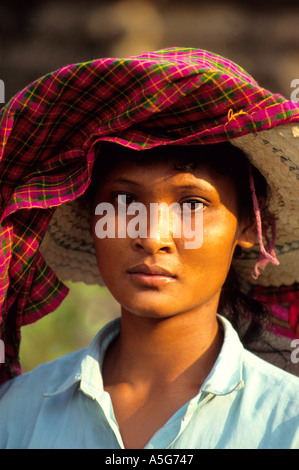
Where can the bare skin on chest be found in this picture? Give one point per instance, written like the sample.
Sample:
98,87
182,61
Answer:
141,413
146,394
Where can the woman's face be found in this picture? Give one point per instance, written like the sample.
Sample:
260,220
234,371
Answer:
156,275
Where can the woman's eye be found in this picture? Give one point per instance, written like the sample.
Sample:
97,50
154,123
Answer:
124,199
193,205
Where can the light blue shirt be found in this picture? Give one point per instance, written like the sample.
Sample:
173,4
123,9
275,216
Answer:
244,403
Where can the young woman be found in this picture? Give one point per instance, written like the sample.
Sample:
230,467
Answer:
180,128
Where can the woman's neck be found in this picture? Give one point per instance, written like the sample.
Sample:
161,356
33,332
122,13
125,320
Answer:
162,351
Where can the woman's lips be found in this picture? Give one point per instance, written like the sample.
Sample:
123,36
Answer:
152,276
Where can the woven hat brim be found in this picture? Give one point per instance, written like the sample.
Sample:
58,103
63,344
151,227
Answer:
275,153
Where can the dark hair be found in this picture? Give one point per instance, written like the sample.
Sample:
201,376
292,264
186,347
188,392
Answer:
247,315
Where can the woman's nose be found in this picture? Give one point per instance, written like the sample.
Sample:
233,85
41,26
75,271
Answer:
159,232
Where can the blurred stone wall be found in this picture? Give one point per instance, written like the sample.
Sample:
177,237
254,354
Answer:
41,36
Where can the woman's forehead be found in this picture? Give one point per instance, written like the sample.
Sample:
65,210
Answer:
223,158
162,171
160,179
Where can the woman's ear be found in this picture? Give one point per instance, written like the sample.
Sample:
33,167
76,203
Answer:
247,234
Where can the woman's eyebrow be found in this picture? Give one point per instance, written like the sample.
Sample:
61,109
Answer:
125,181
200,185
191,186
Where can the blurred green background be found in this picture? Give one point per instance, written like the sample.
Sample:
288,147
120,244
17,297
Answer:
70,327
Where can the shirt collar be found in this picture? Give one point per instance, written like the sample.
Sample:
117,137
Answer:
87,369
225,376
